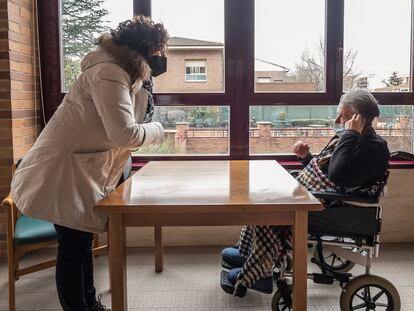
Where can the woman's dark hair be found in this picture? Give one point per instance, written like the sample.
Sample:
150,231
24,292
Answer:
141,34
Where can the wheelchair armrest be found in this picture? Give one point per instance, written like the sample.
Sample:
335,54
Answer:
335,196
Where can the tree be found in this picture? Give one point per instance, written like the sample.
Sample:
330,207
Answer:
311,68
204,117
82,22
394,80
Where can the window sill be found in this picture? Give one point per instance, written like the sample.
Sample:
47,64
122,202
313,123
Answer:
293,165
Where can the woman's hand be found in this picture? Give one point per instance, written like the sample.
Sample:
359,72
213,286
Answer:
301,149
357,123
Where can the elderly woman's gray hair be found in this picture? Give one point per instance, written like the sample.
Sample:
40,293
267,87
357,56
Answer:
361,102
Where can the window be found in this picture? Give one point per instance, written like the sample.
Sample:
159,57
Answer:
81,24
377,45
195,71
290,45
196,38
191,130
275,129
258,72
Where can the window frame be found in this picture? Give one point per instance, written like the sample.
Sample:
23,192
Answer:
239,92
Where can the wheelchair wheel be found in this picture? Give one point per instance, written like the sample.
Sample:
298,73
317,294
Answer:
278,302
334,261
370,292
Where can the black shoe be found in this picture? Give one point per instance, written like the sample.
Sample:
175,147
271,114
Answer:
99,306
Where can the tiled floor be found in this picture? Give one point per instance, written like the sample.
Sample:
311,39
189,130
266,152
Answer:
190,281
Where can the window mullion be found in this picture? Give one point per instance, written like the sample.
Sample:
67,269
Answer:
335,45
142,7
239,39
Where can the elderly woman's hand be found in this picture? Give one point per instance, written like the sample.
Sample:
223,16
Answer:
356,123
301,149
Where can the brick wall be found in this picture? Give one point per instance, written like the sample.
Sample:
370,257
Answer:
19,91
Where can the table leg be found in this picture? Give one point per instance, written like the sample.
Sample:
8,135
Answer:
117,270
300,262
158,249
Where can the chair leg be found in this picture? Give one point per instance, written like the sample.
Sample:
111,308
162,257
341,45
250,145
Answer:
16,264
12,280
12,292
11,258
109,260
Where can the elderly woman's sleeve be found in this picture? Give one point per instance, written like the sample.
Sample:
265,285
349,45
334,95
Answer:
111,96
354,164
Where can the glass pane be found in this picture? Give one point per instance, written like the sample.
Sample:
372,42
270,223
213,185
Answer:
191,130
274,129
82,23
377,45
395,125
290,46
197,35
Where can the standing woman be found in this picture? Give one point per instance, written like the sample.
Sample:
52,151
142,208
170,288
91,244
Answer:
79,156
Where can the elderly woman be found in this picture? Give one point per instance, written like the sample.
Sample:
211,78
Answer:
79,156
353,161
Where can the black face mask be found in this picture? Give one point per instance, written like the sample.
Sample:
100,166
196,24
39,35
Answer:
158,65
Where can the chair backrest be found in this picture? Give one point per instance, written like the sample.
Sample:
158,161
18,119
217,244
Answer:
8,202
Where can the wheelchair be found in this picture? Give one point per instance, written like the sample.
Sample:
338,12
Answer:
345,233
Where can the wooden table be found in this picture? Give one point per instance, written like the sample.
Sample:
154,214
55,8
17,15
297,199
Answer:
208,193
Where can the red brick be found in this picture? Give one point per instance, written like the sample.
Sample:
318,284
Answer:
23,3
24,104
5,104
14,26
13,8
6,161
18,37
29,140
4,65
21,151
5,133
23,131
6,152
21,95
20,57
18,47
18,141
5,84
6,141
5,123
5,114
18,18
19,76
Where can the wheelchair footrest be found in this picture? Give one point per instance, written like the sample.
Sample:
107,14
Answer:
343,277
228,287
322,278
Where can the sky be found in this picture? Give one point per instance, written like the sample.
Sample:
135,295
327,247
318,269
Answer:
378,29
